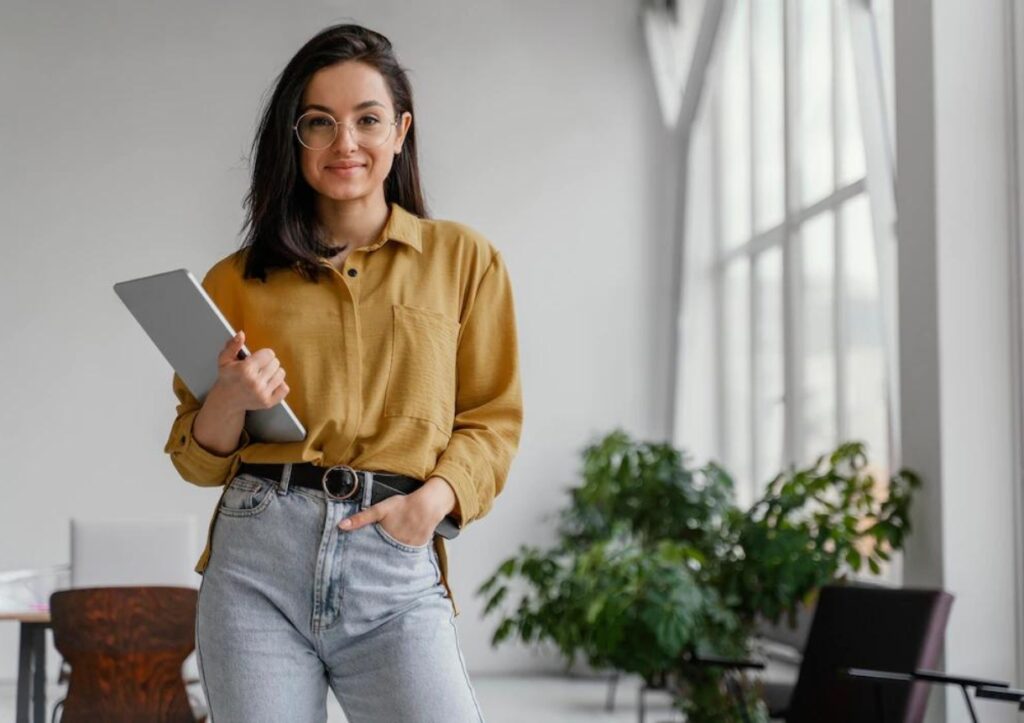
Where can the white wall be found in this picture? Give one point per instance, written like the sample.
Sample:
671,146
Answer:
124,132
954,228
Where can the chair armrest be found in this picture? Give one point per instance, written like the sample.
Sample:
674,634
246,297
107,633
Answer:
928,676
935,676
1014,695
876,675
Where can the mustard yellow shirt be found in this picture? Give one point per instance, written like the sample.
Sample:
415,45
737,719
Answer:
404,361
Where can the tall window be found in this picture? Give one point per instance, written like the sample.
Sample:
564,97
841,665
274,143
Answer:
780,250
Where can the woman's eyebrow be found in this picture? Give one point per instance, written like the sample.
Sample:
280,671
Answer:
358,106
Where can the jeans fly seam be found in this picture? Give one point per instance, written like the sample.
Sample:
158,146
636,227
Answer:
320,562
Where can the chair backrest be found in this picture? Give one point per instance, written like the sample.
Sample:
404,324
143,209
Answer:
869,627
795,636
126,646
159,551
792,636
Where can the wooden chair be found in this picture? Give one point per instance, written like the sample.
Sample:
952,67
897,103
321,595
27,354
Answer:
126,646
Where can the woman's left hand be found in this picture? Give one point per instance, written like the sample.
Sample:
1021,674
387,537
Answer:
412,518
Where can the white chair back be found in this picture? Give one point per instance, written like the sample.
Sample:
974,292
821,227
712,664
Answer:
159,551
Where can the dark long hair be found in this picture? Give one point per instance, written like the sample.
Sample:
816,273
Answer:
281,227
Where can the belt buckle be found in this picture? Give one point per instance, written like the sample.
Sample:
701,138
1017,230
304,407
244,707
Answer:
331,495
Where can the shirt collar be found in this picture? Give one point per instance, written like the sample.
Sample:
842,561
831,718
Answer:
402,226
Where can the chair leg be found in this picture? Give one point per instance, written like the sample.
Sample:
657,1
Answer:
613,682
879,702
39,673
24,674
737,693
641,712
970,706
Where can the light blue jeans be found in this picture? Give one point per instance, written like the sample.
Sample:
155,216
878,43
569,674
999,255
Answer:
289,605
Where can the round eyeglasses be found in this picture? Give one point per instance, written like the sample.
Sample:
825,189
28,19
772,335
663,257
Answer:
317,130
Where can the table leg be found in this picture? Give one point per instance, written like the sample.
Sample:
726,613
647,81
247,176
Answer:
39,683
24,672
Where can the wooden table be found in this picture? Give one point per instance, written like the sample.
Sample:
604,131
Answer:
31,663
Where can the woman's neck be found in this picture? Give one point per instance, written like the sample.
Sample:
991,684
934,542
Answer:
353,223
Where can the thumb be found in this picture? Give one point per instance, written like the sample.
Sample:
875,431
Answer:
232,348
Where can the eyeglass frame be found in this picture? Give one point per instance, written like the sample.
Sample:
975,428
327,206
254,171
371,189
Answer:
348,127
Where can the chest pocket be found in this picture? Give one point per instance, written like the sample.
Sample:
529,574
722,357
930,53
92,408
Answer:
421,381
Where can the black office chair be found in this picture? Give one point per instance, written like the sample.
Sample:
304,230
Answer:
861,627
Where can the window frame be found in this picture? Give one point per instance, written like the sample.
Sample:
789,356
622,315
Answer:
1015,109
876,184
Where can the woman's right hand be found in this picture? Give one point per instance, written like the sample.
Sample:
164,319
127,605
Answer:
256,382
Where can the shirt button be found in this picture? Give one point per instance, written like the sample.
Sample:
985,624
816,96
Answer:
352,272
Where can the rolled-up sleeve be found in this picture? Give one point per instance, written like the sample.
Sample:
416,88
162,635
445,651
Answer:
488,404
195,463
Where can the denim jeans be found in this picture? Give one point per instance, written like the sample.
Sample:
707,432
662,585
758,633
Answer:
289,605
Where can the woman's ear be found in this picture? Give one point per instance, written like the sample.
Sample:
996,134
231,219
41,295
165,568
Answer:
406,122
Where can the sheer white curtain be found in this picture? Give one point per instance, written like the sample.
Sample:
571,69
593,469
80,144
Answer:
785,327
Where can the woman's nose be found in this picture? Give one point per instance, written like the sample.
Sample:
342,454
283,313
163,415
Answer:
345,138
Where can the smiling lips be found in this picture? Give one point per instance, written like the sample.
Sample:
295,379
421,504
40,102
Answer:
345,169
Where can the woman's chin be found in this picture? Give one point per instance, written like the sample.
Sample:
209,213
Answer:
342,191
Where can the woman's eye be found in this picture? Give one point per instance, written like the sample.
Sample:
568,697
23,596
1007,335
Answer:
373,120
321,122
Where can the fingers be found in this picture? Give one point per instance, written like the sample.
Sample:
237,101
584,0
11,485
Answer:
268,388
230,351
277,388
373,513
261,357
280,393
261,366
406,528
361,518
263,360
275,379
253,382
268,370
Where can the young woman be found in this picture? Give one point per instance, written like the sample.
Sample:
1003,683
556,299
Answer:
322,566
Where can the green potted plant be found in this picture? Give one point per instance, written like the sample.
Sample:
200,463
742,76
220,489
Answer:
654,562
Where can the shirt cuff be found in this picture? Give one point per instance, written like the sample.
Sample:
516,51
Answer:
461,482
204,465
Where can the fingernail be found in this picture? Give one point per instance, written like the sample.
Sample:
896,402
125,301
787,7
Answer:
346,523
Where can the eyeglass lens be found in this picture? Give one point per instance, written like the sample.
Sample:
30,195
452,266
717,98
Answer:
318,130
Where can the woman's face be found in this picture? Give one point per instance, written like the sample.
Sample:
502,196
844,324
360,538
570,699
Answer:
354,93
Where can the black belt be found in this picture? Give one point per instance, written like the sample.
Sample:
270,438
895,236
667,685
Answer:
342,482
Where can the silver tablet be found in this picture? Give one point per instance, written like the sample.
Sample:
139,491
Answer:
190,331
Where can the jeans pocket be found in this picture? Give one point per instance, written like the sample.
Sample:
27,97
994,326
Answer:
397,543
246,496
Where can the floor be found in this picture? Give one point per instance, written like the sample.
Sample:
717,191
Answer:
509,699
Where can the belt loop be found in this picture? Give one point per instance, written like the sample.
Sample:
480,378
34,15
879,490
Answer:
367,489
286,476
